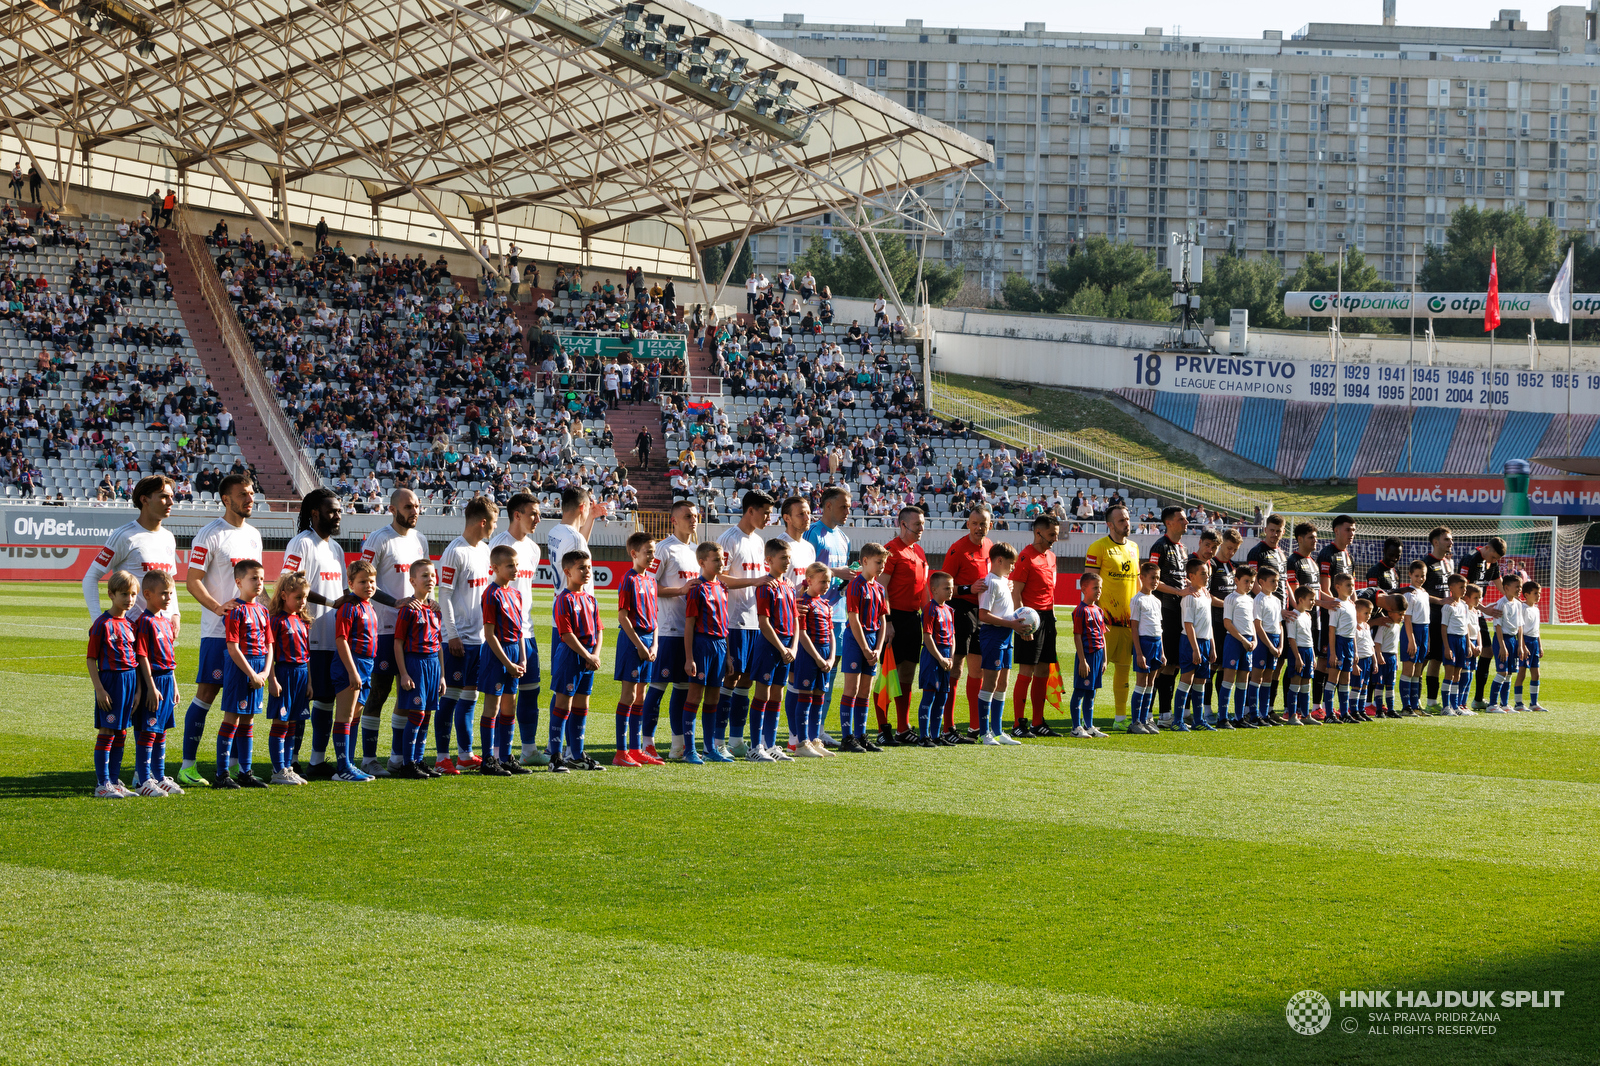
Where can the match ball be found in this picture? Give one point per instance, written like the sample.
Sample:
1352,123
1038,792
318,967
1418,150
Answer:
1029,619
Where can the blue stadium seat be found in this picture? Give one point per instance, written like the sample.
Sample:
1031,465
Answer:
1519,437
1431,431
1177,408
1352,423
1260,428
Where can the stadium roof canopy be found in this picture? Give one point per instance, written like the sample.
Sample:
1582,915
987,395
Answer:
623,132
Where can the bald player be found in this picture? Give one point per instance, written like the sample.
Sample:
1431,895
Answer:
1116,559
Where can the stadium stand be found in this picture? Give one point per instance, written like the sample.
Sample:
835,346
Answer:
101,380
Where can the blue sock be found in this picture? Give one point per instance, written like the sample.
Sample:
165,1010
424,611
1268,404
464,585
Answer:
652,712
369,733
558,724
1344,699
675,711
1533,694
1224,699
502,735
686,722
709,717
1088,709
118,740
486,731
102,759
863,704
739,712
927,711
794,712
1238,701
466,709
769,731
1197,698
194,727
724,711
622,726
141,758
528,717
1519,690
224,747
444,720
158,756
419,743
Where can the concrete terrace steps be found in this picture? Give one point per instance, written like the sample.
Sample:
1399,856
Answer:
206,334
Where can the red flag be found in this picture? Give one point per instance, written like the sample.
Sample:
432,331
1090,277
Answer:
1491,306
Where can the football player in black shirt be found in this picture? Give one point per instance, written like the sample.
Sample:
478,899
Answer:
1333,561
1439,566
1482,568
1170,555
1269,551
1383,576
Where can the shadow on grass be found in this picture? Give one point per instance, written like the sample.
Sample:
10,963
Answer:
52,784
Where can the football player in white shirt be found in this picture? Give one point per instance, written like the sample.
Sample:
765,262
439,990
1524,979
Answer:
1507,644
391,549
1197,652
1365,649
141,547
1341,651
1238,649
795,514
464,574
522,516
313,552
578,514
1386,638
1144,616
1414,636
212,554
1531,647
677,571
1302,638
745,548
1268,656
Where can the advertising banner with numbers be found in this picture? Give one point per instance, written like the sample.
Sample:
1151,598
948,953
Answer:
1325,382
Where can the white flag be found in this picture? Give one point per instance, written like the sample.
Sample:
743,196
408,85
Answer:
1561,292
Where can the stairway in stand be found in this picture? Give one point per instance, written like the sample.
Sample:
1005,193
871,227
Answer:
206,335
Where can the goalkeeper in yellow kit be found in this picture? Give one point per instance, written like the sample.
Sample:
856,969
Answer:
1116,559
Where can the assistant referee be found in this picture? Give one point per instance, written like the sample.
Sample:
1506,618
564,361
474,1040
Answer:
1116,559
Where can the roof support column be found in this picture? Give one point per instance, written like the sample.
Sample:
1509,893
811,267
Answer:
249,201
466,242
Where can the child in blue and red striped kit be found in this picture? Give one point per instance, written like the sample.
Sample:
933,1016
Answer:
705,653
155,640
114,668
355,641
778,622
636,653
938,650
573,663
289,690
248,632
501,668
866,606
1089,638
418,642
809,676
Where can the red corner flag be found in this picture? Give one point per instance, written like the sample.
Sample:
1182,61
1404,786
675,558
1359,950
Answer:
1491,306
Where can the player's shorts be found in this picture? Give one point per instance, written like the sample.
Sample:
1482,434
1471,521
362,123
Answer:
213,661
1264,658
741,645
1509,661
767,665
237,695
1119,645
966,617
568,674
1360,676
342,680
805,675
1437,645
1041,650
710,659
998,644
932,676
322,690
852,660
1344,654
1308,666
630,665
1235,656
668,667
1455,650
1150,648
532,675
1388,663
907,642
123,688
1531,652
293,702
493,677
1187,663
1414,649
165,714
1096,664
424,671
461,671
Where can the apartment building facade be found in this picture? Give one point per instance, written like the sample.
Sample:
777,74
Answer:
1365,136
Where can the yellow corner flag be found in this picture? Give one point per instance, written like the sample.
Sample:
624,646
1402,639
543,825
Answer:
886,686
1053,687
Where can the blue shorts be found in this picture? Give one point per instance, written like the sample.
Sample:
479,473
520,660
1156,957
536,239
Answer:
1083,681
932,676
1361,674
164,715
1263,657
461,671
804,673
852,660
123,688
741,649
1344,654
766,664
1509,661
568,675
213,661
237,695
1531,652
1455,649
342,680
630,665
1414,650
493,677
1235,656
322,690
1308,665
292,703
532,675
710,656
424,671
668,667
1150,648
998,646
1187,663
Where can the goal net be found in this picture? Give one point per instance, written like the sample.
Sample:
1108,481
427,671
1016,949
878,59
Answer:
1538,546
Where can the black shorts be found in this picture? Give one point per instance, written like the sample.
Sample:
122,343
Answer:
966,628
1172,638
1042,648
1436,642
907,644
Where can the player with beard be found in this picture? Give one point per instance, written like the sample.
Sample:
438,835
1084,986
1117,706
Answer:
312,551
522,516
143,546
1482,568
391,549
1170,555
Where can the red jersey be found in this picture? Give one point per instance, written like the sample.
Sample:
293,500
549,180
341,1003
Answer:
1089,622
417,628
291,639
905,575
940,620
154,640
357,625
866,598
967,563
502,612
112,641
250,627
1034,578
816,616
637,596
775,603
578,613
706,607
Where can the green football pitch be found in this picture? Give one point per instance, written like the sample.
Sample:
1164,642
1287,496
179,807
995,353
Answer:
1132,900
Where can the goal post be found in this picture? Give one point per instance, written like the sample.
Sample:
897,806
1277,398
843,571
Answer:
1538,545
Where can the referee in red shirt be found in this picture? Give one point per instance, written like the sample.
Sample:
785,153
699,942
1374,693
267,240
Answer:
905,576
1034,581
967,563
